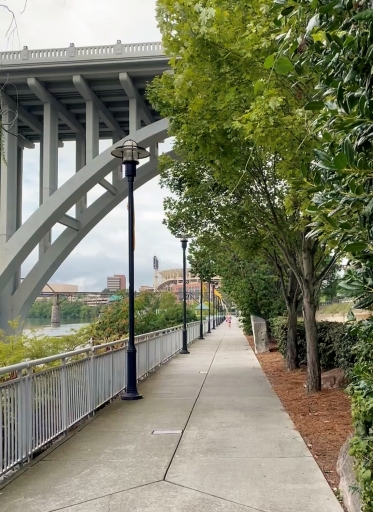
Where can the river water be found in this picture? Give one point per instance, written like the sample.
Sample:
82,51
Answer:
43,327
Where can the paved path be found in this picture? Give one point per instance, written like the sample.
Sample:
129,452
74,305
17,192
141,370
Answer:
238,452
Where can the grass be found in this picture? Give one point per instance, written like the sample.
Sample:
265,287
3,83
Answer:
335,309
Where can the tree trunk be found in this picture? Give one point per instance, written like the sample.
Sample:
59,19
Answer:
309,313
292,361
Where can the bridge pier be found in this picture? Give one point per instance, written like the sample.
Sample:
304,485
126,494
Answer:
11,166
56,313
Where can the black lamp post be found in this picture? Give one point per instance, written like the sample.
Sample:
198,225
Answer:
209,321
201,317
130,154
184,244
213,305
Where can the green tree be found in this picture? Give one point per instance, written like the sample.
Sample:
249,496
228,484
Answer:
238,127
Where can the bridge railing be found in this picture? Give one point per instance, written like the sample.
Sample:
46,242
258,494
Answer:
39,403
81,53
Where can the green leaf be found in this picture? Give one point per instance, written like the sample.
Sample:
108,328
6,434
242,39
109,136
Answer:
348,150
258,86
304,169
287,10
314,105
328,7
366,475
283,66
356,247
366,15
359,190
340,161
268,63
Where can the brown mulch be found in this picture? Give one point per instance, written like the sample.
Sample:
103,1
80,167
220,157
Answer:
323,419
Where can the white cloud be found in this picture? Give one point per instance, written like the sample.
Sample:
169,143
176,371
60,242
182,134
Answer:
55,24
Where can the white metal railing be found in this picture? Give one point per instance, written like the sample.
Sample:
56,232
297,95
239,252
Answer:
39,404
82,53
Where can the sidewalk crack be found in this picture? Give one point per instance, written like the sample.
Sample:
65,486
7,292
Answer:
225,499
194,404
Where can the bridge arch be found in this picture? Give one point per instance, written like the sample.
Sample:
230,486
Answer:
57,253
28,236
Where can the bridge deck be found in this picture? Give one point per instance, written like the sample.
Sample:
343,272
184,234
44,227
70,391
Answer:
238,451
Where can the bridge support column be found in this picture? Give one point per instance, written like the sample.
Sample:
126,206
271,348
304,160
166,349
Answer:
10,204
49,164
80,161
56,313
118,172
135,123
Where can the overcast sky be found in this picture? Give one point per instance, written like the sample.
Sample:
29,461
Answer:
56,24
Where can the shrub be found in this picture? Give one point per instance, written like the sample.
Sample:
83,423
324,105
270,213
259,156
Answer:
361,392
335,342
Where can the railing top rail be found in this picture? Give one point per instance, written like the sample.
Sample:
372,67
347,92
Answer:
81,53
66,355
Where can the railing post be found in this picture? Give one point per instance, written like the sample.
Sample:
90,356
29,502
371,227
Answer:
21,419
147,356
93,382
29,413
64,395
112,374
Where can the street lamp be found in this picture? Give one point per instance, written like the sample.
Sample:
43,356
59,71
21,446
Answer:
130,154
213,304
184,243
209,322
201,318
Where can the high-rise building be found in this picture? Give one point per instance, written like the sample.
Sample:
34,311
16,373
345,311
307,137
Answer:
117,282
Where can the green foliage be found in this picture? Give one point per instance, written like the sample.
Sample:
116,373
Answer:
243,140
254,287
20,347
330,287
153,312
335,51
112,325
336,342
361,392
73,310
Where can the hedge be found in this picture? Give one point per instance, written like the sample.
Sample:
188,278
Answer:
361,392
335,342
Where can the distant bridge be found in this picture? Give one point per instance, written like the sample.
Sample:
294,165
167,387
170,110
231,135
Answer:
80,94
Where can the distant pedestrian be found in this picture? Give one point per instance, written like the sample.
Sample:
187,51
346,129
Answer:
229,320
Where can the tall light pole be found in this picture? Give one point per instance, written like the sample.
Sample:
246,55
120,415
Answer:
130,154
184,244
213,305
209,321
201,317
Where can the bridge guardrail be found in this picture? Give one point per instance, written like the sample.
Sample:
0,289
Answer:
40,405
81,53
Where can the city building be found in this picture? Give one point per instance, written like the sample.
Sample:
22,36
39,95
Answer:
117,282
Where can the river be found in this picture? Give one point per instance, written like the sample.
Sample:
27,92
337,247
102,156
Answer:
43,327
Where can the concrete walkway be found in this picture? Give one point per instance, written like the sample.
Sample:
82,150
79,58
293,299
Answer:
238,451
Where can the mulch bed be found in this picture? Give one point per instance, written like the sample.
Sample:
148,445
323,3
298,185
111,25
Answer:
323,419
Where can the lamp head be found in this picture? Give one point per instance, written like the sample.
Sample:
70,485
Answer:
130,151
183,237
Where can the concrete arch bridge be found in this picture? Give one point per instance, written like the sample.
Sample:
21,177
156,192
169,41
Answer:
73,94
